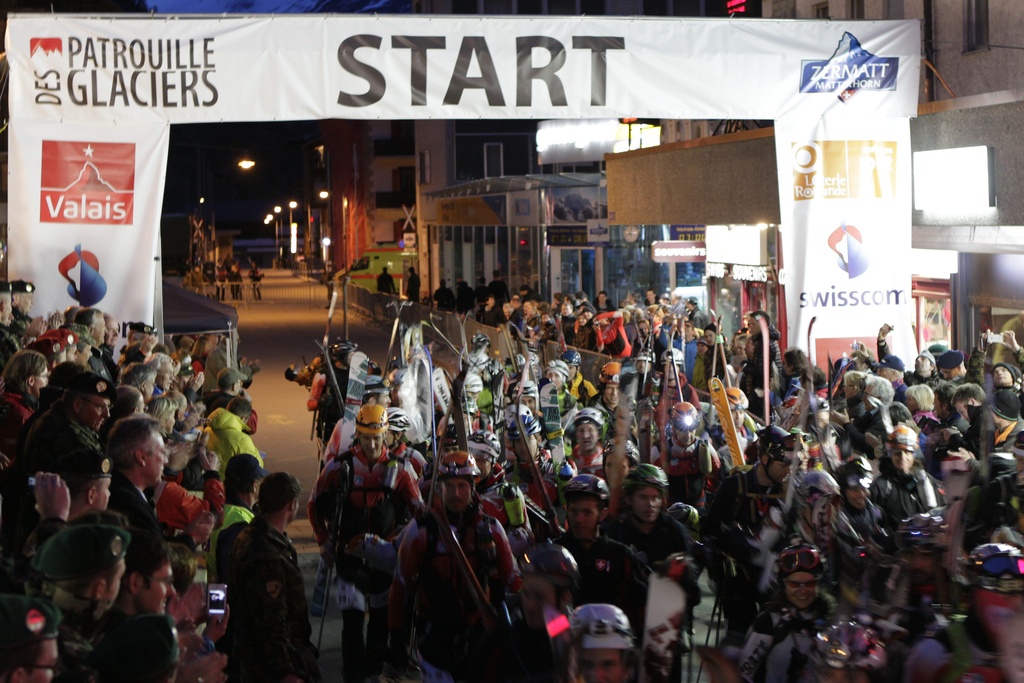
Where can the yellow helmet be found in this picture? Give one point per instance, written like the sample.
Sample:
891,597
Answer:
372,419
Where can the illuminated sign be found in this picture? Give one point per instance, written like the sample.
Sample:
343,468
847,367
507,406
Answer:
566,142
678,252
737,271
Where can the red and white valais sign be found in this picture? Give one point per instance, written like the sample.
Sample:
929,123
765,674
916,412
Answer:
90,183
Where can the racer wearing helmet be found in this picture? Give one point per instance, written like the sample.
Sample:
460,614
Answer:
903,488
521,650
321,398
558,372
968,649
846,648
398,446
690,460
608,569
745,504
580,388
428,577
518,420
646,527
604,644
1001,500
374,493
859,538
781,639
585,431
920,580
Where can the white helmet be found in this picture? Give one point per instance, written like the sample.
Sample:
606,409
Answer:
560,366
602,626
592,415
484,445
473,383
530,389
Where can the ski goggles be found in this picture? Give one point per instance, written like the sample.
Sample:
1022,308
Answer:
858,481
1002,574
798,560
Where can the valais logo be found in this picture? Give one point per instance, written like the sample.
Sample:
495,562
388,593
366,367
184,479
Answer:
87,183
848,245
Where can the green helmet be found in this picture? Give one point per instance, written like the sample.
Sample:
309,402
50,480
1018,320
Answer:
646,475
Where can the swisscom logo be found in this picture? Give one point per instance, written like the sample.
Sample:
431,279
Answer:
849,70
81,269
848,245
87,183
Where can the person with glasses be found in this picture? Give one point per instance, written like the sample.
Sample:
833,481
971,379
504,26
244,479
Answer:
903,488
968,648
781,640
28,639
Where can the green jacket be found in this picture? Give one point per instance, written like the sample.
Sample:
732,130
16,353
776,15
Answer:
233,514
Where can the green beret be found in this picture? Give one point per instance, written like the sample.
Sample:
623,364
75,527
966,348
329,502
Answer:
141,648
26,620
83,464
81,551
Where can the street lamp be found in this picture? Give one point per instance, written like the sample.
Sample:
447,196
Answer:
245,164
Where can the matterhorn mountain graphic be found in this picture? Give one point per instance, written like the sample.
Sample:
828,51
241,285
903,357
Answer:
850,69
90,180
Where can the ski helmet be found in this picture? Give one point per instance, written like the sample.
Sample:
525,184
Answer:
902,438
686,515
373,368
530,389
481,340
856,474
815,486
737,399
586,485
925,531
684,417
530,423
592,415
997,567
342,347
484,445
632,451
772,442
398,420
674,355
572,357
473,383
850,646
372,419
458,464
611,372
552,563
560,367
602,626
645,475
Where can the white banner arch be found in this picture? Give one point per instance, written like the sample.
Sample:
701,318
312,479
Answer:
81,85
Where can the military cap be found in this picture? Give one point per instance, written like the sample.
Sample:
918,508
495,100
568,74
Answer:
22,287
81,551
140,648
48,347
82,331
61,334
141,327
24,621
376,385
5,287
91,384
84,464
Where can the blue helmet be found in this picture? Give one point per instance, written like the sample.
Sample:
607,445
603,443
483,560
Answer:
572,357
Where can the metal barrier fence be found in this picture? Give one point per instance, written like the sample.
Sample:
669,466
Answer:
380,308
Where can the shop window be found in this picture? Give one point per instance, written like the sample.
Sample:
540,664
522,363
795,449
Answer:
975,25
856,9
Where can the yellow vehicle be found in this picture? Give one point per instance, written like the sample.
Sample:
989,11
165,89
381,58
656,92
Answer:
372,263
